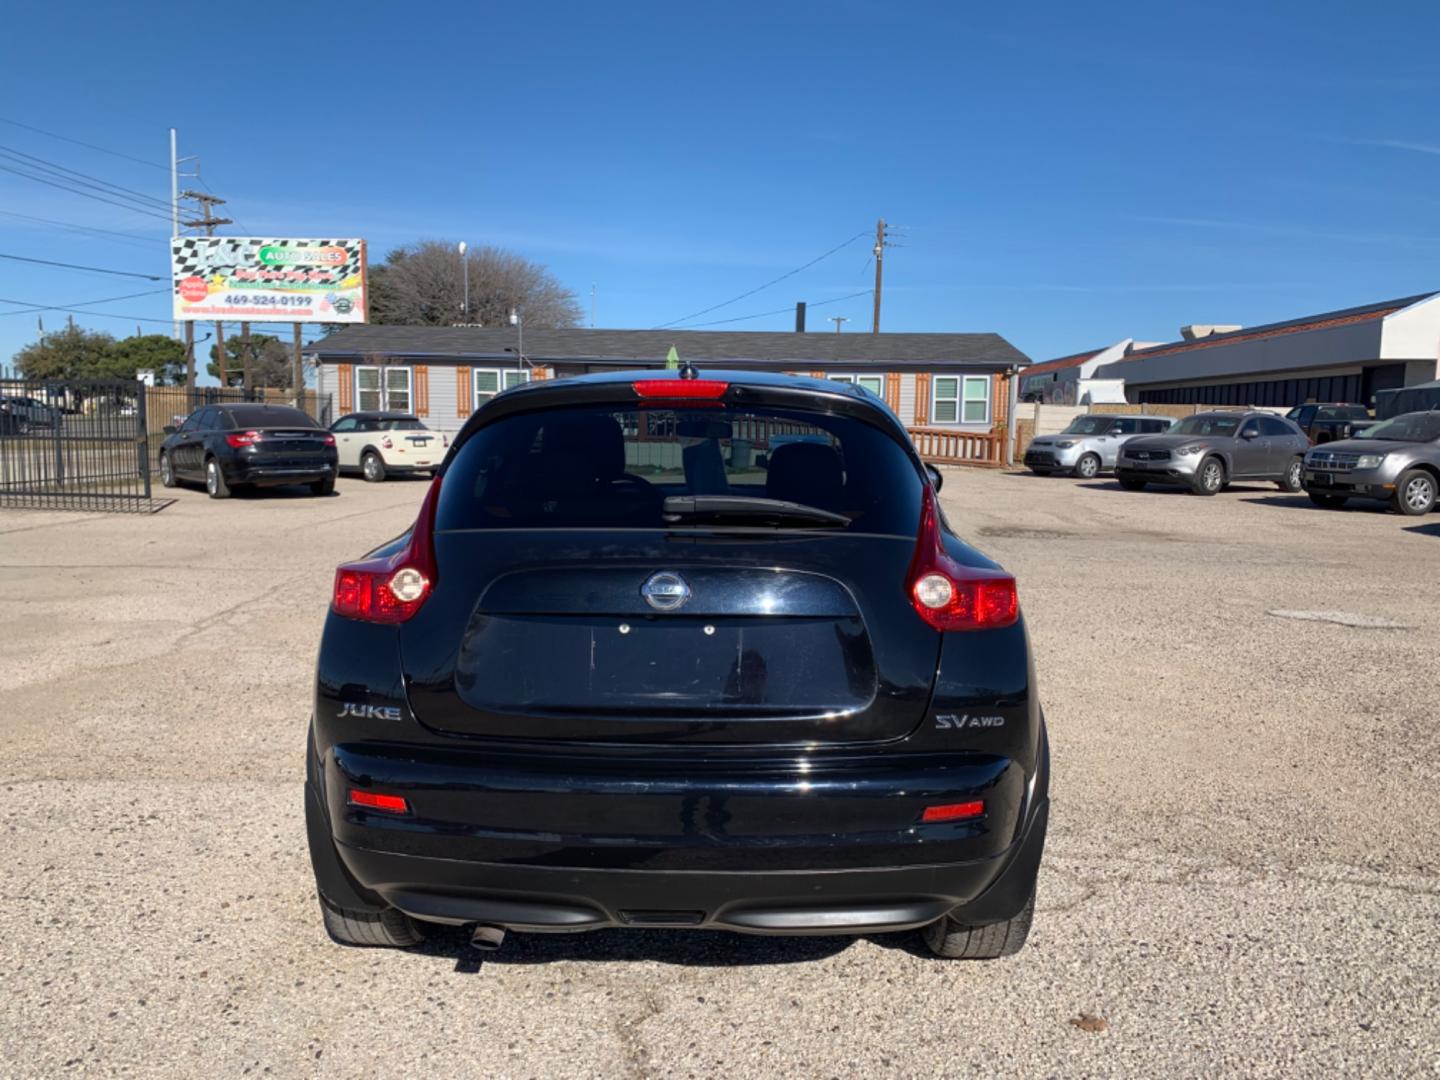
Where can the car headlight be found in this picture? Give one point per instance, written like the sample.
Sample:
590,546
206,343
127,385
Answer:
1370,461
1186,451
1065,445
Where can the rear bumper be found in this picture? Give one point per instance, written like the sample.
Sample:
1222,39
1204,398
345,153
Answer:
571,850
279,474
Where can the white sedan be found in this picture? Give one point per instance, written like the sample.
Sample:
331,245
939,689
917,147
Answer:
380,444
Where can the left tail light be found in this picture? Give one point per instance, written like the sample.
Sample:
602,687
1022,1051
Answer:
329,439
950,596
392,589
244,438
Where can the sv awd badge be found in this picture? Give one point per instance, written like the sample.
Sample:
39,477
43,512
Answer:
950,721
370,712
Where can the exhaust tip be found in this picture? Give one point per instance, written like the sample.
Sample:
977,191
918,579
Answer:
487,938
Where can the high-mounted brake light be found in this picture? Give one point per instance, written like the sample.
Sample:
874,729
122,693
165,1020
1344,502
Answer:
371,800
958,811
950,596
244,438
680,388
392,589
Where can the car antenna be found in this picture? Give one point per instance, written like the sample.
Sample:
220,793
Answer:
688,370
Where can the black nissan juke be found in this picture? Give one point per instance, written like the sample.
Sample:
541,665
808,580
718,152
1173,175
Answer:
678,650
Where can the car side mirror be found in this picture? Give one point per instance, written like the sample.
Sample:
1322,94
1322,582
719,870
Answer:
937,481
1114,431
169,429
1250,433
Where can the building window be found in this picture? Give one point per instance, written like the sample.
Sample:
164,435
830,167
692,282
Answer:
380,389
874,384
490,381
966,400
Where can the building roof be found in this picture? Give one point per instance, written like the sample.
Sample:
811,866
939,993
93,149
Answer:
1323,321
1064,362
627,348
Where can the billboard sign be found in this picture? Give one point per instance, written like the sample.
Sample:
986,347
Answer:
230,278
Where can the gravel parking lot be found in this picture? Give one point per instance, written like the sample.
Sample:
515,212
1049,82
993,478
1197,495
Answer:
1243,875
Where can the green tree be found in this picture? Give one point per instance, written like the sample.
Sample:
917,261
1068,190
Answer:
152,352
270,362
72,353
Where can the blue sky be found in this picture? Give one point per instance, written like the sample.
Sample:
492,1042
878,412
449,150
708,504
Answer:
1061,175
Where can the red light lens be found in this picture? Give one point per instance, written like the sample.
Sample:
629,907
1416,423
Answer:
959,811
329,439
976,598
681,388
370,800
366,590
244,438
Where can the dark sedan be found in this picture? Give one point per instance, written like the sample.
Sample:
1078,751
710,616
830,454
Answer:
228,446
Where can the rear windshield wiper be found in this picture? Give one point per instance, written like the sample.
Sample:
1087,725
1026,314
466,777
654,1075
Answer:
747,507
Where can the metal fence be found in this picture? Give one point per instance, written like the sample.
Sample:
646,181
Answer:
74,445
93,444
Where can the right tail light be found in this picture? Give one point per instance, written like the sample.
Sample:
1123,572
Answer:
950,596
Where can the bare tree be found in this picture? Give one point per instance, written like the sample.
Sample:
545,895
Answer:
423,285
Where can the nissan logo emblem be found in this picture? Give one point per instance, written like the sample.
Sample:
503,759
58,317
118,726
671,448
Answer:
665,591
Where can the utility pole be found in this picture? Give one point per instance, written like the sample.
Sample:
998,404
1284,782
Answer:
208,221
592,305
189,362
300,374
246,375
837,320
174,206
879,271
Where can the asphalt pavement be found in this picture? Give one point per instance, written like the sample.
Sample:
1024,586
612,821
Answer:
1242,879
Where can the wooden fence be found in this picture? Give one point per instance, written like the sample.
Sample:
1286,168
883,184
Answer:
945,447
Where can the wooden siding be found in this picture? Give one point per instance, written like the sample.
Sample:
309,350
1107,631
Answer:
345,375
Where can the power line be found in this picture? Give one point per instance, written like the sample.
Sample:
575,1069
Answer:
77,191
88,146
778,311
148,241
761,288
92,269
78,308
75,176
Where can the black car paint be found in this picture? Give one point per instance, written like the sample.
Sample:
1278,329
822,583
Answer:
771,823
293,454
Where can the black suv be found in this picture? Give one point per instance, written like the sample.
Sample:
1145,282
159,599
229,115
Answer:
678,651
226,446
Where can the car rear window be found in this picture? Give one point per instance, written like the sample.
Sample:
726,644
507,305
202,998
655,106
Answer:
408,423
613,467
254,416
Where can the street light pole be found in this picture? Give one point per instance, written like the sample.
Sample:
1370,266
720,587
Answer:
465,274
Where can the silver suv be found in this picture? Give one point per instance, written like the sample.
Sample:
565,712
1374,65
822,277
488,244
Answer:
1089,445
1205,452
1397,461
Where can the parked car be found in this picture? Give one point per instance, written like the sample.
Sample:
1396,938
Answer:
227,446
379,444
1326,423
780,699
28,412
1089,445
1397,460
1207,451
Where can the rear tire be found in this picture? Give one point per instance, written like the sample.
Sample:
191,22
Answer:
1088,467
1132,485
1329,502
1209,477
323,487
372,468
1415,493
167,472
387,928
956,941
1294,479
215,485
